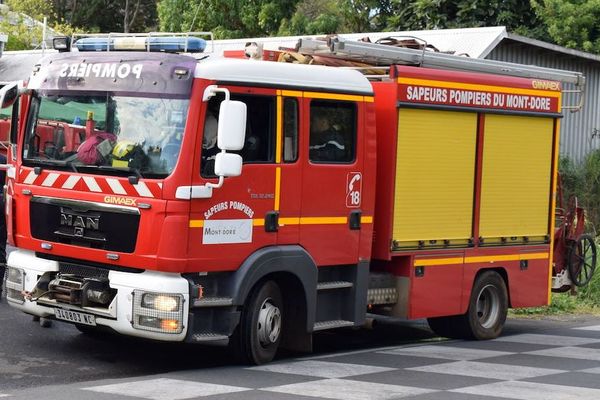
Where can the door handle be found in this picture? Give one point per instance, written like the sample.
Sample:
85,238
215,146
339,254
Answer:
272,221
355,220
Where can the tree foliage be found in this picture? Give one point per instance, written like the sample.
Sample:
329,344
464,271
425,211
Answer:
225,18
571,23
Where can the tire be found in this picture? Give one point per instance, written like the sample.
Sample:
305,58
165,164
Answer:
486,315
261,325
445,326
581,260
488,307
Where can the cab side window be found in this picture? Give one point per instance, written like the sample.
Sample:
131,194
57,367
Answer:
259,145
290,130
332,131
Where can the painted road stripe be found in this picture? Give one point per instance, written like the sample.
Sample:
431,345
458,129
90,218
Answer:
92,184
348,390
116,186
165,389
487,370
446,352
589,328
30,178
579,353
50,179
547,340
71,182
143,190
531,391
321,369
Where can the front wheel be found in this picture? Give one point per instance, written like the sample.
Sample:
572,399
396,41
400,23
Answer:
261,324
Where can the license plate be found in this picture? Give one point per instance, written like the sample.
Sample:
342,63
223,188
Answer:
74,316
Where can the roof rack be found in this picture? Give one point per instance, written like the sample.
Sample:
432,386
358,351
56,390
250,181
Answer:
382,55
172,42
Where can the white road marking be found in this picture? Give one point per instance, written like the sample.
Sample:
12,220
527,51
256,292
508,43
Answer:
165,389
50,179
322,369
446,352
591,370
531,391
349,390
548,340
487,370
589,328
71,182
580,353
116,186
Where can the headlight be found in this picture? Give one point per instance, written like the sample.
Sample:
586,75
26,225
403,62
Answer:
15,284
15,275
158,312
160,302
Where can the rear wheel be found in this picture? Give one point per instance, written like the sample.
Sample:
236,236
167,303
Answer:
261,324
485,316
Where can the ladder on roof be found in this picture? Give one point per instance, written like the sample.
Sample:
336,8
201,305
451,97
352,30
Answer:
380,54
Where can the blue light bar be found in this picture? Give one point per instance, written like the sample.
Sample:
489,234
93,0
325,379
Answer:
169,44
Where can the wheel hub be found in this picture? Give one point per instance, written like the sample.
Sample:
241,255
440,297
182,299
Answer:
488,306
269,323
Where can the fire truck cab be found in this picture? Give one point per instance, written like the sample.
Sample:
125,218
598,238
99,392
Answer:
203,199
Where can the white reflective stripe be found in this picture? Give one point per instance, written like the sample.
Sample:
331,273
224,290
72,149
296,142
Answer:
92,184
116,186
71,182
159,185
143,190
50,179
30,178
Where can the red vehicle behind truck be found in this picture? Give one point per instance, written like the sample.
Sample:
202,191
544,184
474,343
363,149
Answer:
425,193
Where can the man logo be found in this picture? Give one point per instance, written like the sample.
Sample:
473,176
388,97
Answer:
79,223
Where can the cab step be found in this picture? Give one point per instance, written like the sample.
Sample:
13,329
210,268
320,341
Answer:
336,323
334,285
213,302
209,337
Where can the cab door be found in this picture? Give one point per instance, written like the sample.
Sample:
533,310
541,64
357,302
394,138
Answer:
238,218
332,178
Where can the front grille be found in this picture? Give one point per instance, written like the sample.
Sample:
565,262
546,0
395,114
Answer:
84,224
83,271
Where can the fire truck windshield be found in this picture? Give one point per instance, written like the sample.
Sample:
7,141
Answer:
105,133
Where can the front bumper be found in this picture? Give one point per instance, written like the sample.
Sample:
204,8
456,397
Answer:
119,314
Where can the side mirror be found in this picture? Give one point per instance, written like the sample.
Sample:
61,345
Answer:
231,132
228,164
9,94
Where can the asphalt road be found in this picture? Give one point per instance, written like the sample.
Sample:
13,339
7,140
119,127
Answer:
32,356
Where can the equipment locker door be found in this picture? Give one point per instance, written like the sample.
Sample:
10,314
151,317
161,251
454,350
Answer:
332,179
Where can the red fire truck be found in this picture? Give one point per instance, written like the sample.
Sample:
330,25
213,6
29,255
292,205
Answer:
189,197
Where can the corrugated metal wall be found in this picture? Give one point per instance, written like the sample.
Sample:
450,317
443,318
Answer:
580,132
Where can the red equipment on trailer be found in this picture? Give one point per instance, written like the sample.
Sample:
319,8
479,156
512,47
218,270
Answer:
425,193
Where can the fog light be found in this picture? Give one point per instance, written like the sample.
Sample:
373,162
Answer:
160,302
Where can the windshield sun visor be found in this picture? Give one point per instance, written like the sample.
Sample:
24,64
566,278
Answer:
154,73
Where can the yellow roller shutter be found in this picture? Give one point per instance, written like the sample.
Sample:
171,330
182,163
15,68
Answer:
515,194
435,171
